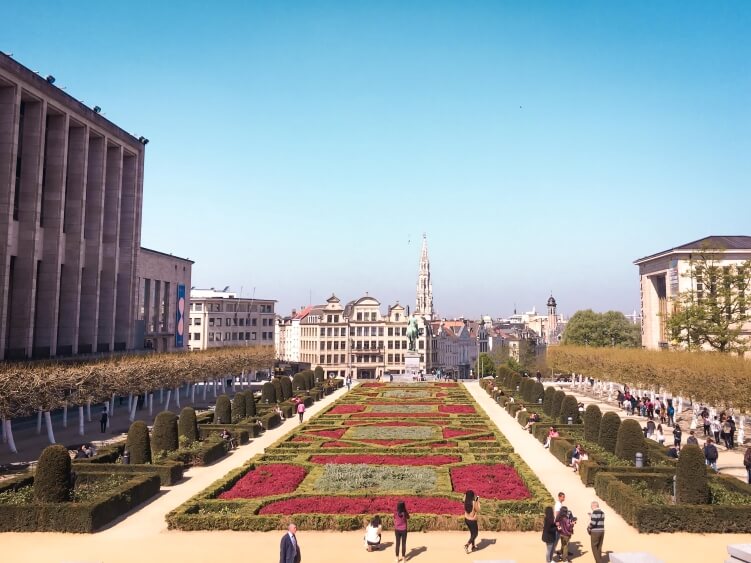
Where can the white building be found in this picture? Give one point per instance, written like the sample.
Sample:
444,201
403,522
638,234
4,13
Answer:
287,336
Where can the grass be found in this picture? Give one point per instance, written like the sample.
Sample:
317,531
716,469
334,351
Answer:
371,478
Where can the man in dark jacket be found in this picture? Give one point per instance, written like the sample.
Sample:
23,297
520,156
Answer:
710,454
289,549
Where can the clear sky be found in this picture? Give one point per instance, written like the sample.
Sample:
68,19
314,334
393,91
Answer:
301,148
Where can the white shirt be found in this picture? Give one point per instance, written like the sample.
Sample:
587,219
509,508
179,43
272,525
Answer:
557,507
372,534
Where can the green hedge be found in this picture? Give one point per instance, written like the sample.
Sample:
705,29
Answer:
569,408
79,517
691,482
52,479
223,410
547,401
241,431
238,406
630,440
139,444
555,409
609,426
169,472
592,418
210,450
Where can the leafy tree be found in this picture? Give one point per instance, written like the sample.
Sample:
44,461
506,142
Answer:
487,367
712,313
587,328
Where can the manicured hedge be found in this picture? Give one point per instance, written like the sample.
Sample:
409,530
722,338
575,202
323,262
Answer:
609,426
547,401
286,387
210,450
52,479
169,472
569,408
187,427
164,435
691,477
223,410
238,406
592,418
243,432
555,409
139,445
630,440
268,394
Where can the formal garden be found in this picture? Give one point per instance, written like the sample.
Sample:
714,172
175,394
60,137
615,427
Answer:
661,495
424,443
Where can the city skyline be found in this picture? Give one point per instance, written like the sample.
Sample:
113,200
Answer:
541,148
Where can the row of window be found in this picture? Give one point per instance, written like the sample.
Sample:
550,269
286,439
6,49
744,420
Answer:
357,331
232,307
361,359
225,336
231,321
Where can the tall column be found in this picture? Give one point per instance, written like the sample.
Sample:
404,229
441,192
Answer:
128,253
8,123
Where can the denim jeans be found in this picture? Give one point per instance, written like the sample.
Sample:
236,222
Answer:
549,550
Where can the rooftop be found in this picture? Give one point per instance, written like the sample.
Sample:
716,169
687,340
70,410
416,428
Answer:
714,242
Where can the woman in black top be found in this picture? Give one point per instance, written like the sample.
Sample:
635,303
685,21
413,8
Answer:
549,533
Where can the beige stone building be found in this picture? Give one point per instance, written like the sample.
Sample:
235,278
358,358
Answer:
71,185
221,318
664,276
162,301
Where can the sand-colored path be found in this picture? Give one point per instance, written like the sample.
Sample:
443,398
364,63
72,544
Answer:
143,536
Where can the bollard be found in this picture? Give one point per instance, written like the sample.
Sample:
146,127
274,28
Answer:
675,487
126,457
539,401
639,461
570,419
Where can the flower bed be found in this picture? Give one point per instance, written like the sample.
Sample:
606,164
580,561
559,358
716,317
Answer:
457,409
335,434
346,409
500,482
336,444
456,432
387,443
386,459
392,433
402,408
266,480
400,414
363,505
346,478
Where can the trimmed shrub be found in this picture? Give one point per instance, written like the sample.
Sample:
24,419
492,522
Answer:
569,408
223,410
298,382
268,393
52,480
537,393
630,440
516,381
310,379
691,485
286,387
138,443
527,385
277,389
238,406
164,437
250,404
555,408
187,426
547,400
609,426
592,418
318,374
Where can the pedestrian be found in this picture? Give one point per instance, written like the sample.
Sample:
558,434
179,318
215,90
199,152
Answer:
289,549
731,433
559,503
677,434
747,463
715,426
471,510
400,529
658,436
596,531
373,534
692,441
710,454
301,409
549,533
103,420
727,433
349,382
705,422
565,524
671,413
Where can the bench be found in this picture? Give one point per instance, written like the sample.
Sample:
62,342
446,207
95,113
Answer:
739,552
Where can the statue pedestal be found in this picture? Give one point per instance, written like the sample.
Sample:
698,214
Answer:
412,366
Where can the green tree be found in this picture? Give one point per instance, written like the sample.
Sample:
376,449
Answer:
487,367
587,328
712,313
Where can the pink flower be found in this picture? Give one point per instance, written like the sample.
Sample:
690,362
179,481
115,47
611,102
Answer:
334,434
346,409
456,432
363,505
500,482
266,480
399,414
373,459
457,409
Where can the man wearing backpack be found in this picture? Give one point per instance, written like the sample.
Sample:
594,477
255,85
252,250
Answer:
747,463
710,454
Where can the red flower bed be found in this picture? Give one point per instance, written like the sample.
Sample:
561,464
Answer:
385,459
334,434
346,409
301,439
336,444
389,423
457,409
486,439
399,414
267,480
363,505
455,432
443,445
387,442
404,402
500,482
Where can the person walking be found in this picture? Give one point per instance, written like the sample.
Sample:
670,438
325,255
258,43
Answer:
710,454
692,441
677,435
400,530
103,420
565,524
289,549
349,382
747,463
715,426
596,531
549,534
471,510
301,409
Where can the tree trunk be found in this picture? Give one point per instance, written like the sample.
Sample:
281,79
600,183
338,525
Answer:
177,397
205,387
5,434
161,396
65,416
214,386
39,422
48,425
133,406
81,429
111,412
130,400
193,393
151,404
88,410
9,434
166,403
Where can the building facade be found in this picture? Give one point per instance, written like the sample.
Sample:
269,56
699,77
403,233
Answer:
287,335
162,301
71,188
220,318
665,275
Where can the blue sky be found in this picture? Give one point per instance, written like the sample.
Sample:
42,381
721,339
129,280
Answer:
301,148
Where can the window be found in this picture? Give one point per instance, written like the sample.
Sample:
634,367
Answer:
336,318
329,318
252,335
190,321
226,336
380,331
196,336
219,321
336,345
197,321
344,331
328,331
241,336
211,337
253,321
199,306
336,331
328,358
322,358
247,336
390,358
359,316
391,331
359,331
242,321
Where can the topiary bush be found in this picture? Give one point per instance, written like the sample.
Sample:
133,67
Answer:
223,410
286,388
238,406
52,480
547,400
138,443
569,408
555,409
164,437
609,426
630,440
516,381
268,393
691,485
526,389
298,382
276,382
592,418
310,379
187,426
537,393
318,375
250,404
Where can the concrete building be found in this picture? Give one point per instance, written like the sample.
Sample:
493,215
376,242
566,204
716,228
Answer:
287,335
162,301
665,275
71,185
221,318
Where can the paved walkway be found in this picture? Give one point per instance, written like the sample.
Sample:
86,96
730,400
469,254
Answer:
143,535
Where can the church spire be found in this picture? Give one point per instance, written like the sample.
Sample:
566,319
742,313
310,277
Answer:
424,286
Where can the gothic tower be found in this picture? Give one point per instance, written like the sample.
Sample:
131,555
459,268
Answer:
552,321
424,287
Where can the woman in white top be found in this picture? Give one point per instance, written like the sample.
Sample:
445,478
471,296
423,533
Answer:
658,436
373,534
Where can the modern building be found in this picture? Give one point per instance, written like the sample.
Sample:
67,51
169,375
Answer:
162,301
665,275
221,318
71,187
